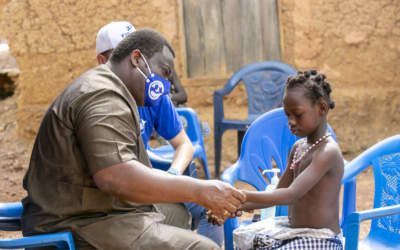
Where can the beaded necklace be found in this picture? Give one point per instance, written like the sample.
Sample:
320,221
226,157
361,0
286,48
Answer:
296,159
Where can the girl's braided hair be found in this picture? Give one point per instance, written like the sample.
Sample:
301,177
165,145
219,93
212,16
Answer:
314,85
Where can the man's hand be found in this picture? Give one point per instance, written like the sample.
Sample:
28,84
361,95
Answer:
221,198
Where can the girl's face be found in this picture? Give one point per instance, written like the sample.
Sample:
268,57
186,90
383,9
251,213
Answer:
304,117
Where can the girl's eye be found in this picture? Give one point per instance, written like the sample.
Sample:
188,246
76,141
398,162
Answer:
297,115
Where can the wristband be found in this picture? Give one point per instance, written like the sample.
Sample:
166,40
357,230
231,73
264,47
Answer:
173,171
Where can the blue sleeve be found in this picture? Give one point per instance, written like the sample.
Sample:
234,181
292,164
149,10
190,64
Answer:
146,124
166,120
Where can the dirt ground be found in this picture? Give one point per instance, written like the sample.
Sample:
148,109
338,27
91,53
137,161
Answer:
14,157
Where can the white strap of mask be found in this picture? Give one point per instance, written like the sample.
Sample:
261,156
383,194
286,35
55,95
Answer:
147,65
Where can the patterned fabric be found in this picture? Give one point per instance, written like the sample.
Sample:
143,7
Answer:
276,233
264,242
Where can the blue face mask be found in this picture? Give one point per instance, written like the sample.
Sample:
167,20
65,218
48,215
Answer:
155,88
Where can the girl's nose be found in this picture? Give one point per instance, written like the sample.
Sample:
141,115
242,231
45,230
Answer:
291,121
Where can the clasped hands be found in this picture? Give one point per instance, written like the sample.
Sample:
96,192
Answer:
223,201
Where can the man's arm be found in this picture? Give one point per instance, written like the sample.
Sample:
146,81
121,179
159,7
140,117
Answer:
107,135
135,182
183,151
179,97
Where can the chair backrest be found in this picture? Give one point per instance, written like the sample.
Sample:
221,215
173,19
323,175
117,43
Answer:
268,138
384,157
264,82
193,129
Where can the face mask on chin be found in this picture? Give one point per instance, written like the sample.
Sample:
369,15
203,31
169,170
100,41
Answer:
155,87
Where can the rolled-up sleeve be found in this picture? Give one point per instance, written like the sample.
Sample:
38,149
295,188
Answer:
106,130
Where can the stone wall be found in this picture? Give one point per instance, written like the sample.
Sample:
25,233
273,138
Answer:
356,43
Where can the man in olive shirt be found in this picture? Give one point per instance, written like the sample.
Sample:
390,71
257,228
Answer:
89,172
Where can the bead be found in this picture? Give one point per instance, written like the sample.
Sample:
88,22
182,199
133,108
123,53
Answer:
296,159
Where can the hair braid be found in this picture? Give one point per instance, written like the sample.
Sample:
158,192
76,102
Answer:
314,85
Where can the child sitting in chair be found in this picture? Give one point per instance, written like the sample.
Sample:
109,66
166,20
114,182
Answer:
311,183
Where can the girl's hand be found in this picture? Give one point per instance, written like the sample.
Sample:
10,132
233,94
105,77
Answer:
217,220
214,219
245,208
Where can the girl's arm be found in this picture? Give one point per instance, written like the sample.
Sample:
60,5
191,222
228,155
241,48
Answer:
287,176
249,206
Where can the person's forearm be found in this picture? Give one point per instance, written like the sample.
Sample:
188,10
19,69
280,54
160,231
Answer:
135,182
251,206
149,185
182,157
281,196
183,151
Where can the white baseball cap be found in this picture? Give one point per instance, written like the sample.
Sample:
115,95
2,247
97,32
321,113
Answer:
111,34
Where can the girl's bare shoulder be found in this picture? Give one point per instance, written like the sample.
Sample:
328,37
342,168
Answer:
331,151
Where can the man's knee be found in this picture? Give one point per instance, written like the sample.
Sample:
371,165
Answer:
160,236
175,214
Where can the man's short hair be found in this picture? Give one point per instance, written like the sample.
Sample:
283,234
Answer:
148,41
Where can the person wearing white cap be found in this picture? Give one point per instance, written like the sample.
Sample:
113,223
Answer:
89,173
107,39
165,121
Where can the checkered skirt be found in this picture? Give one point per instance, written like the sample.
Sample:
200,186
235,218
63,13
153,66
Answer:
262,242
276,233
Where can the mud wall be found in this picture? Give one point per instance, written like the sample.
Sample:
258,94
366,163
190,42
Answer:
54,42
356,43
2,4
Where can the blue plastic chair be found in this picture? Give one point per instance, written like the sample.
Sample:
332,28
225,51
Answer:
164,154
264,82
384,157
267,138
10,214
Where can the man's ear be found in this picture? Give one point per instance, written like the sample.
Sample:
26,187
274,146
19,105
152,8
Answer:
134,57
101,59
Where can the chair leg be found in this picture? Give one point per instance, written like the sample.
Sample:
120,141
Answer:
205,166
217,150
229,225
240,139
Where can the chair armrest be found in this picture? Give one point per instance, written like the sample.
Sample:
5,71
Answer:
353,221
376,213
158,161
11,210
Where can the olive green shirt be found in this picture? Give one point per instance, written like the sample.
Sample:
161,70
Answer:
92,124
